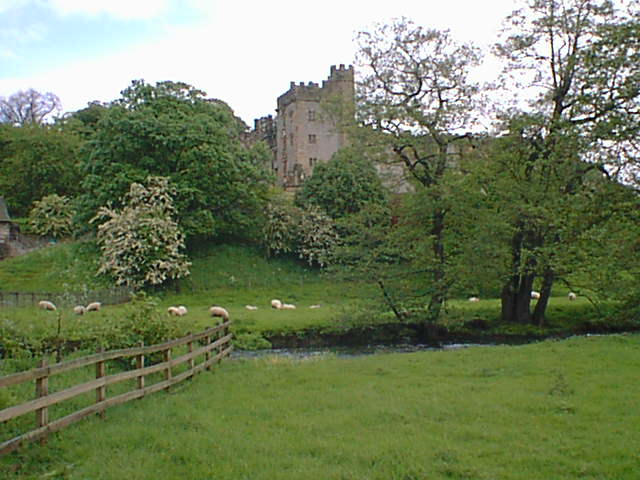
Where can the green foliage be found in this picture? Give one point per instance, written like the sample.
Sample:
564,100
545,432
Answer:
309,233
172,130
141,244
342,186
36,161
52,216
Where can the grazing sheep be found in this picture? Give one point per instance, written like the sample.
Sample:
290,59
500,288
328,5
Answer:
46,305
288,306
79,310
217,311
314,306
183,310
572,296
250,307
535,295
93,307
474,299
277,304
173,311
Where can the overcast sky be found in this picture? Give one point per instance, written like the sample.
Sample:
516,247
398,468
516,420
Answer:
243,52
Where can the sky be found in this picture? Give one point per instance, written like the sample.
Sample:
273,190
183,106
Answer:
245,53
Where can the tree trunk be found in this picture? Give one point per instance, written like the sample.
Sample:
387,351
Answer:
439,295
516,293
390,302
543,301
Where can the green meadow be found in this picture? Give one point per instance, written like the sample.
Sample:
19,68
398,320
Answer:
551,410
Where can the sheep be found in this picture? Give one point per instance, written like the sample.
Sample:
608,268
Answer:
79,310
314,306
93,307
183,310
572,296
535,295
217,311
47,305
288,306
173,311
277,304
250,307
474,299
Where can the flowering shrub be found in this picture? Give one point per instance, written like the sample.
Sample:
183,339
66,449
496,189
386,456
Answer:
142,243
52,216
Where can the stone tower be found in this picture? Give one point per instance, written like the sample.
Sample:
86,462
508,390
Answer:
308,125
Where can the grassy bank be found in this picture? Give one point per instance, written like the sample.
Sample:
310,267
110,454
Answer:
556,409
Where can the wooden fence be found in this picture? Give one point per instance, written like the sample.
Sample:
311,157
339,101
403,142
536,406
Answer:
111,296
215,338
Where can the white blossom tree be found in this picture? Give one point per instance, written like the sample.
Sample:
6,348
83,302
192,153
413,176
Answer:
141,243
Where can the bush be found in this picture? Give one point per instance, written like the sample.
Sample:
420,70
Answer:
52,216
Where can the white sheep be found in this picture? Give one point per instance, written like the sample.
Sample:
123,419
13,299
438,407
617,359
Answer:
277,304
474,299
183,310
288,306
46,305
93,307
250,307
535,295
79,310
314,306
217,311
572,296
173,311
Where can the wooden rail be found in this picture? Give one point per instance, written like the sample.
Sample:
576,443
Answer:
221,344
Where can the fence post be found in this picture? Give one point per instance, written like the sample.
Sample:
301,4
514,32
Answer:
42,390
190,349
140,365
167,372
221,346
207,355
100,391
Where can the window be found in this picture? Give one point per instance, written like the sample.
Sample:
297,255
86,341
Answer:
312,115
291,139
312,161
312,138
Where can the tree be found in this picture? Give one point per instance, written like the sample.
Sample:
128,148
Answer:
52,216
141,243
172,130
416,90
28,107
36,161
343,185
579,60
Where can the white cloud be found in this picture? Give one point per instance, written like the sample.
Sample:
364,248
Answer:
121,9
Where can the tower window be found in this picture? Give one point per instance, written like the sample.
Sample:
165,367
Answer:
312,161
312,138
312,115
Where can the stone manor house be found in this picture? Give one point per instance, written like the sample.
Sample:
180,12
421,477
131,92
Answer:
307,127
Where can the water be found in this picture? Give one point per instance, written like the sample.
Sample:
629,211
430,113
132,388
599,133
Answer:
348,351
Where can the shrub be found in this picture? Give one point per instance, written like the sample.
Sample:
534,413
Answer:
52,216
141,244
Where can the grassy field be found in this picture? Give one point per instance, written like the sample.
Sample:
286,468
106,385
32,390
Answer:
552,410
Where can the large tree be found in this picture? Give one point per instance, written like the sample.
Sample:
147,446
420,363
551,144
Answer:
416,89
36,161
344,185
578,62
171,129
28,107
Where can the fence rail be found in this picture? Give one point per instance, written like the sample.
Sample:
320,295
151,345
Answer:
221,344
111,296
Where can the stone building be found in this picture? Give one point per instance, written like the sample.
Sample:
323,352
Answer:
308,125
